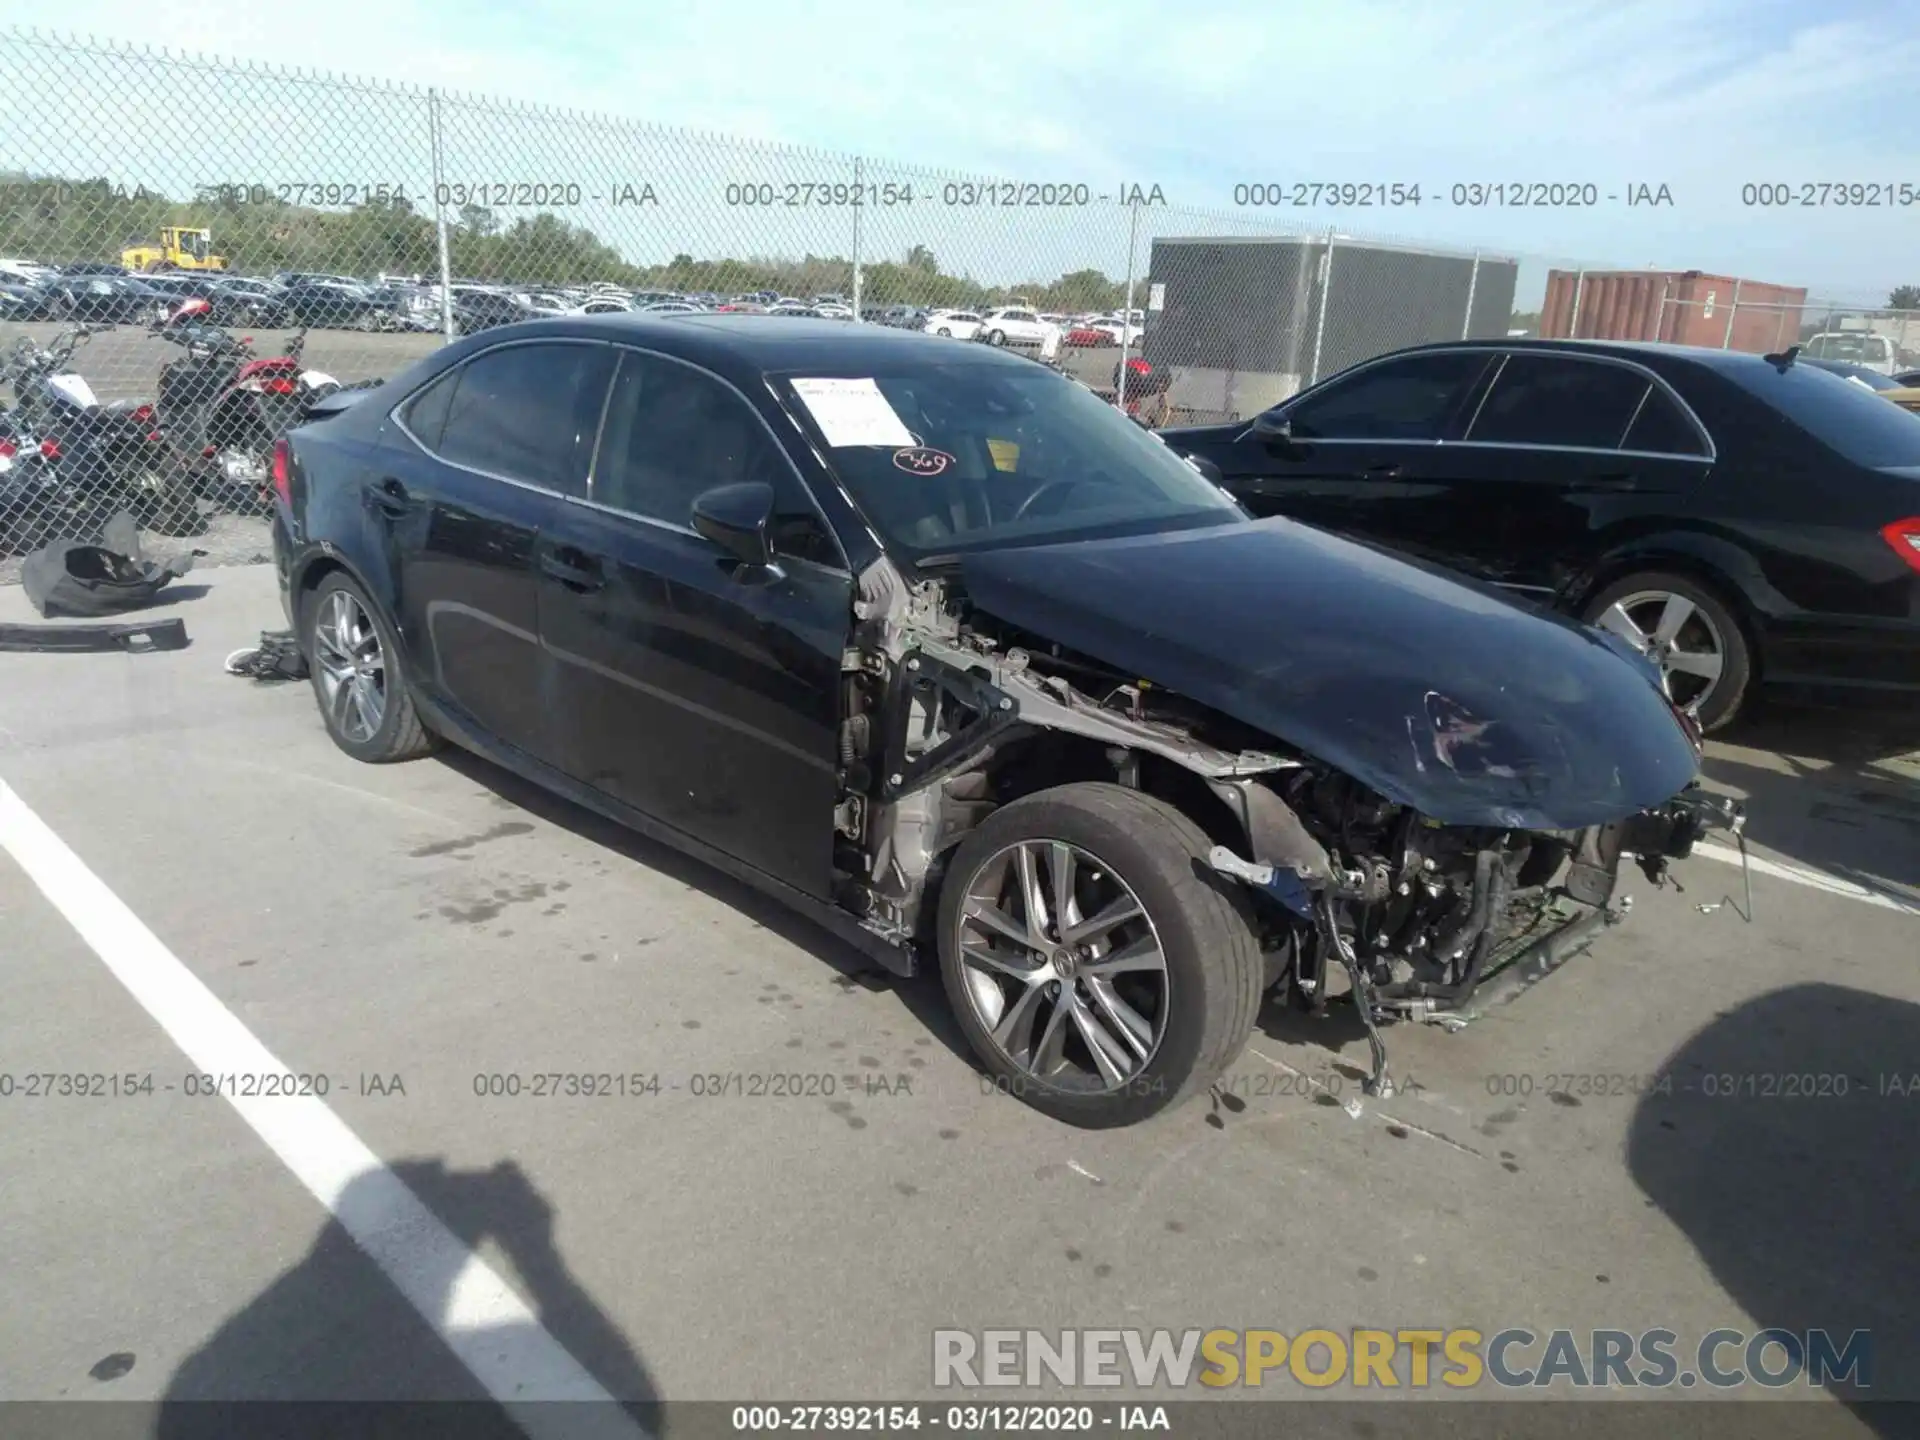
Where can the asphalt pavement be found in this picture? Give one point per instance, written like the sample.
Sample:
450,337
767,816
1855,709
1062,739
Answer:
805,1176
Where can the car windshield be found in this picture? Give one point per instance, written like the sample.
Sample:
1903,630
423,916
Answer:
1868,348
1846,417
947,457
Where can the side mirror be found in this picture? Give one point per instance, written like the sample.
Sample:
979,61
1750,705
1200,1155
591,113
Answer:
1274,427
736,517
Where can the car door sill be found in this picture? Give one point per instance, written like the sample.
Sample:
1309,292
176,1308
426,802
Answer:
896,959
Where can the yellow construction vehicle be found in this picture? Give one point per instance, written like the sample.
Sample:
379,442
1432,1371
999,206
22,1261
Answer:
181,248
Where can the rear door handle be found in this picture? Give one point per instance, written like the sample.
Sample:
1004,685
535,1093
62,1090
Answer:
391,497
1607,483
577,571
1391,471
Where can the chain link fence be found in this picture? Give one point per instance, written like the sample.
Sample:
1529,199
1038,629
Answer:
192,250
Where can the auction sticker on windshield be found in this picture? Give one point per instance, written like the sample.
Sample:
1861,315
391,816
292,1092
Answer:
852,413
919,460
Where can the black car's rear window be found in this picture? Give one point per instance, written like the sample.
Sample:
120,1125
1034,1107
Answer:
1846,417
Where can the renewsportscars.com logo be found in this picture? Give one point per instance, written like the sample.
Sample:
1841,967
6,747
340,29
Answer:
1413,1359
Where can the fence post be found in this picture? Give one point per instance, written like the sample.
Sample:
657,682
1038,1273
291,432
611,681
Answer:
1473,283
1320,324
1733,309
859,204
1126,313
440,216
1573,315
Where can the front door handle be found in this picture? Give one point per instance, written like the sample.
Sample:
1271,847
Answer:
1390,471
574,569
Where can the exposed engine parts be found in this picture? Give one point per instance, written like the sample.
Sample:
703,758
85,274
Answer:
948,715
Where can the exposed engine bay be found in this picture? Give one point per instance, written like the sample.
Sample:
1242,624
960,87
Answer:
948,713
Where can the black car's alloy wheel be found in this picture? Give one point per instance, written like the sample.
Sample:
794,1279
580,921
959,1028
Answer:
1689,632
1099,971
357,679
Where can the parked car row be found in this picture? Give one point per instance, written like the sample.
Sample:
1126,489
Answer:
106,292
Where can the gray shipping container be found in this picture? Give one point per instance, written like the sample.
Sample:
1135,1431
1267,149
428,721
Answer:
1242,324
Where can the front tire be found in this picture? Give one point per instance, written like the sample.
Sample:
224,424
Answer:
1689,631
1097,967
357,677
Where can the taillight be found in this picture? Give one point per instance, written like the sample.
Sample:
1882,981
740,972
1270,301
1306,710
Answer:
1904,537
50,449
142,415
8,449
277,385
282,473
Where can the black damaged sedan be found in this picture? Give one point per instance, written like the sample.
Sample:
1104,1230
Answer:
932,644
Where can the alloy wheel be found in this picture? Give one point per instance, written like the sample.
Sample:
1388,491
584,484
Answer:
1677,635
1063,967
353,671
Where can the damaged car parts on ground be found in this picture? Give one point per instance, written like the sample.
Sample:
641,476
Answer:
937,647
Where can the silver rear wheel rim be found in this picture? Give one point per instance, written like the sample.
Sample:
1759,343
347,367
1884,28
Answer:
352,666
1678,635
1062,967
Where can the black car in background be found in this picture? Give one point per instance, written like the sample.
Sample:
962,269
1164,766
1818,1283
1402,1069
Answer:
476,310
231,304
26,302
933,644
334,304
108,299
1743,520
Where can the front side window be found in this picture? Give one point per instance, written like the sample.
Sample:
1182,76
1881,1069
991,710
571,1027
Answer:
674,432
1549,400
527,412
1412,398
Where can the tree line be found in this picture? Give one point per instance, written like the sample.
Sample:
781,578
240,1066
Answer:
62,221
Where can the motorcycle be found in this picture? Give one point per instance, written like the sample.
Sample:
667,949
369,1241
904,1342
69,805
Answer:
225,406
30,500
109,455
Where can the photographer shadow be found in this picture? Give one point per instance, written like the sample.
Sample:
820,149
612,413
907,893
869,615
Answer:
333,1347
1788,1154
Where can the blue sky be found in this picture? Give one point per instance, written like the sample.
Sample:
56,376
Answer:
1699,95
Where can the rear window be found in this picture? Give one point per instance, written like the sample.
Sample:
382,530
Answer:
1845,417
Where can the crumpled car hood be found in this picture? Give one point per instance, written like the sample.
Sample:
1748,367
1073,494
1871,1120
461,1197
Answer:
1438,693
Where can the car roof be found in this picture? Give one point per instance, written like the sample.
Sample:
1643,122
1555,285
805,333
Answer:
1641,350
744,347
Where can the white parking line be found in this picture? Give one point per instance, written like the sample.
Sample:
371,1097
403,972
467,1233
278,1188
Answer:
1817,879
490,1328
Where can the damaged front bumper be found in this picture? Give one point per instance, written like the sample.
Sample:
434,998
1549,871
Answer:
1528,934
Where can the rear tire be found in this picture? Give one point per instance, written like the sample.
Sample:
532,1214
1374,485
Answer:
996,337
1712,626
343,631
1126,845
